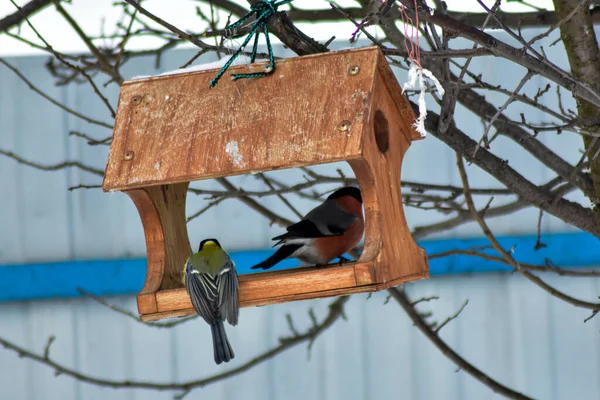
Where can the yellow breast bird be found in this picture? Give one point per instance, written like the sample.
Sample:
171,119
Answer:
212,283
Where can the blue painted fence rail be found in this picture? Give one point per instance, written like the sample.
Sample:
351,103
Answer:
126,276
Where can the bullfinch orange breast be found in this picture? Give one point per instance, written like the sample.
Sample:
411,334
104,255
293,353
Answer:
325,233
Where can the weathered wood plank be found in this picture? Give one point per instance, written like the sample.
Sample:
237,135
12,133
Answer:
174,128
338,106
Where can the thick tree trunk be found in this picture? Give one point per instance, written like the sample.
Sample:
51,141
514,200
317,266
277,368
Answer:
580,42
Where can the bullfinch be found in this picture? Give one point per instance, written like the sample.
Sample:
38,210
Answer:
325,233
211,281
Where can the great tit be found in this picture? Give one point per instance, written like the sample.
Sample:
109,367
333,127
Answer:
212,283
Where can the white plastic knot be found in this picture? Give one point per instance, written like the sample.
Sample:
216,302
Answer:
416,74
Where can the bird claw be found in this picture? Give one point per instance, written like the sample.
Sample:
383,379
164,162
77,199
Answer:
343,260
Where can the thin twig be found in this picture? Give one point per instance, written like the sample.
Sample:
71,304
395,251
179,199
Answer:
205,208
90,140
509,258
356,24
101,58
400,296
501,110
71,188
172,28
51,100
538,236
124,41
285,343
68,64
52,167
452,317
558,24
253,204
549,267
502,49
280,196
134,316
424,299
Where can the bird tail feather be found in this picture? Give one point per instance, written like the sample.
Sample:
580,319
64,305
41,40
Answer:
221,346
281,254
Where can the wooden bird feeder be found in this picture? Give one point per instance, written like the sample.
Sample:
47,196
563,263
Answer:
338,106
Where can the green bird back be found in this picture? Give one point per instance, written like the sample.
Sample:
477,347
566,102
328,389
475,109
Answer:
210,259
211,280
212,283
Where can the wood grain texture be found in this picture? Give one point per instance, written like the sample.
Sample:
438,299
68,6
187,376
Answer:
180,130
162,211
146,303
256,288
395,91
381,168
155,240
343,105
170,203
178,299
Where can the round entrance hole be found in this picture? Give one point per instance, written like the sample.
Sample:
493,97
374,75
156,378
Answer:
381,128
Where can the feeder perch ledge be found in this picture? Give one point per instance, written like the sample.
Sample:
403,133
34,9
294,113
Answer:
337,106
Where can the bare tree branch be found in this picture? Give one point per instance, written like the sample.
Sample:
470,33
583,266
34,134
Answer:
550,267
514,20
69,64
102,59
480,106
400,296
135,317
581,44
566,210
17,18
501,49
51,100
53,167
253,204
172,28
507,256
336,310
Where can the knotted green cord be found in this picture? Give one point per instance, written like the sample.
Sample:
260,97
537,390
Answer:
263,9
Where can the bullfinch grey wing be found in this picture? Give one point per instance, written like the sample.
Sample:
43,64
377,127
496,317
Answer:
326,232
328,219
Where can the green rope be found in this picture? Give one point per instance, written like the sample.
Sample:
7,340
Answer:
263,10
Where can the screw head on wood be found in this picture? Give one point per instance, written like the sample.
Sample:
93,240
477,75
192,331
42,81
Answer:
354,70
128,156
136,100
344,126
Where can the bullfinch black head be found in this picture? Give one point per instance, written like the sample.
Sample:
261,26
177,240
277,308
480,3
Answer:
347,191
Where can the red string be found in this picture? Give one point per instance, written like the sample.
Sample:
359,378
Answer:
414,52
